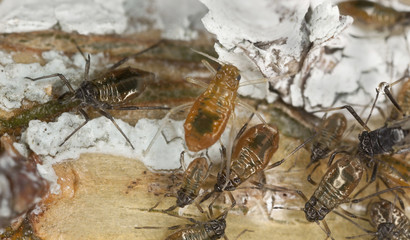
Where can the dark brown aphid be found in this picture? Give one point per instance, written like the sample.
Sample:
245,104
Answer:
372,14
329,134
337,184
194,176
251,154
210,230
109,91
388,220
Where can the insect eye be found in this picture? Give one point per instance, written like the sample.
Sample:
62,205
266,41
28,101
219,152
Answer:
238,77
219,68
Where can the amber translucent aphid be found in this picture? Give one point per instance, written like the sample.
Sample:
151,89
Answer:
194,176
337,184
251,154
207,119
372,14
330,133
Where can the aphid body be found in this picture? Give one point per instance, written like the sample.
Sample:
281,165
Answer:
392,138
337,184
251,154
210,113
390,222
373,14
194,176
114,87
329,133
210,230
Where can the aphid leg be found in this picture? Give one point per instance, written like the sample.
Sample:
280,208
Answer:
351,215
208,56
209,67
356,224
196,82
122,61
326,229
242,233
351,111
107,115
163,197
396,196
379,193
137,107
250,109
87,118
164,120
212,203
273,165
61,76
87,68
309,177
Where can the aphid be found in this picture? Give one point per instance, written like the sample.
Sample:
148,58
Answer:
329,134
388,220
109,91
210,230
337,184
251,154
209,114
194,176
373,14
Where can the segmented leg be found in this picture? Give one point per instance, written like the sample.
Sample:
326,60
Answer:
61,76
164,120
107,115
87,118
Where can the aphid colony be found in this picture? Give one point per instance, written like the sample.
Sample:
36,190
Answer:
382,151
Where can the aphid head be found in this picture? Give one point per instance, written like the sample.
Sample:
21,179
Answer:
385,231
217,226
365,143
317,153
183,199
229,76
221,182
86,92
314,211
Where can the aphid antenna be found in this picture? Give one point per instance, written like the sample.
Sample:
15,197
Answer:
122,61
276,164
379,193
209,57
385,87
351,111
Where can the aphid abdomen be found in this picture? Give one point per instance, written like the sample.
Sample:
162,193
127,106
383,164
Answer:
337,184
210,113
383,140
194,177
253,152
371,13
193,233
121,85
330,133
208,117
